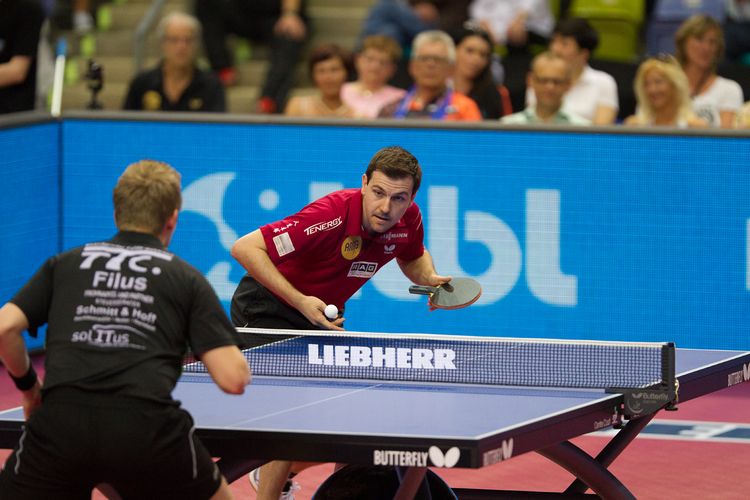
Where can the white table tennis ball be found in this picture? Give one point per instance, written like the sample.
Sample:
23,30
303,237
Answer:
331,311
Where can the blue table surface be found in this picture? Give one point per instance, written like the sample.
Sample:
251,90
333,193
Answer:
450,411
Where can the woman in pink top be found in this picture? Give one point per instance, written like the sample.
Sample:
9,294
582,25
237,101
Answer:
375,64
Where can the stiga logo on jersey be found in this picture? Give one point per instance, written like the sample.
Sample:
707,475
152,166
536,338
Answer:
362,270
351,247
323,226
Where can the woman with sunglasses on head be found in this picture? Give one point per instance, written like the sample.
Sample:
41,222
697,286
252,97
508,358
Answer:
699,46
472,75
661,89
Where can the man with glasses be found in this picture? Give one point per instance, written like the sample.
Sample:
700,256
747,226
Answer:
549,78
177,84
431,97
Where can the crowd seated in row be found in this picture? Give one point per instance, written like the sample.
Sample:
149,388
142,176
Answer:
436,84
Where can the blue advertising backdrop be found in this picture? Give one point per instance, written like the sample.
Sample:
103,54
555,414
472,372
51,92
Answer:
572,235
29,205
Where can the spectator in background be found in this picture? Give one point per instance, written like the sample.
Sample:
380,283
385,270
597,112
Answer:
375,64
593,93
472,75
661,89
737,29
549,78
176,84
514,23
699,44
280,22
329,66
433,56
402,20
20,24
83,21
743,117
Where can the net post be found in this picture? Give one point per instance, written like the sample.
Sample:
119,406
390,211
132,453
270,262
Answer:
642,401
668,374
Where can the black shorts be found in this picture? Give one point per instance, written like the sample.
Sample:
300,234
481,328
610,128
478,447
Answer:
254,306
75,441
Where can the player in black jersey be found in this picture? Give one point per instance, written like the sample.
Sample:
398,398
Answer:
121,315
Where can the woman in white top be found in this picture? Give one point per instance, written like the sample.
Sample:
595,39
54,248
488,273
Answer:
699,44
661,89
593,93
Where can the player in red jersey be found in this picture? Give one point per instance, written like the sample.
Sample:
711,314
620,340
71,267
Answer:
325,253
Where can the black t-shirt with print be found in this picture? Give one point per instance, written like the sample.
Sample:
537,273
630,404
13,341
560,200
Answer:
121,315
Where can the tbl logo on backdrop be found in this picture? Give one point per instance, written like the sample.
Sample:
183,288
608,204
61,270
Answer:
541,256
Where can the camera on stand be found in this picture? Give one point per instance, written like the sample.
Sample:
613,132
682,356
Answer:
95,82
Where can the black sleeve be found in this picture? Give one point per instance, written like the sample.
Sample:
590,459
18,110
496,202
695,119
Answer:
133,100
27,28
215,97
35,298
208,327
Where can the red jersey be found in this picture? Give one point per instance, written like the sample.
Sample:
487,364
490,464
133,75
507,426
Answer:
324,251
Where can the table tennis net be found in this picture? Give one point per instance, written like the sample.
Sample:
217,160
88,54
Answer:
455,359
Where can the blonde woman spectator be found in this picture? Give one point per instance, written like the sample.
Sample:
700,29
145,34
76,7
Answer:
375,65
661,89
699,44
329,66
743,117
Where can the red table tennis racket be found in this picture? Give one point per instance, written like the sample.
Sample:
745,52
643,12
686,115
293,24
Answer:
457,293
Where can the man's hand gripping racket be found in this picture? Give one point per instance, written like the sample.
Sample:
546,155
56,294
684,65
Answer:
457,293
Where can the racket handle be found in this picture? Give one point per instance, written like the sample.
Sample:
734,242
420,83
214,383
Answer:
422,290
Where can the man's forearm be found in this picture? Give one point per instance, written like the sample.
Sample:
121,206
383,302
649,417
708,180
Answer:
14,71
12,347
420,270
251,253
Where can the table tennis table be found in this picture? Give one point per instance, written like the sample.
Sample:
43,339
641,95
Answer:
337,412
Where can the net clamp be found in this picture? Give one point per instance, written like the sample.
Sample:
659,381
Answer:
639,402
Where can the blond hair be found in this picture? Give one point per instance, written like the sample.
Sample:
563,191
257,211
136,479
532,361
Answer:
696,26
670,68
383,43
146,195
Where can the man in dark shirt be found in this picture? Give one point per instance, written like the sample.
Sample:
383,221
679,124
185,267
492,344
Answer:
177,84
121,315
325,253
20,23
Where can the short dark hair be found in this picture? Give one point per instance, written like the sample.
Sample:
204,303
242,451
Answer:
397,163
576,27
328,51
